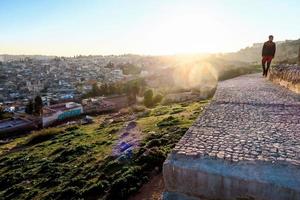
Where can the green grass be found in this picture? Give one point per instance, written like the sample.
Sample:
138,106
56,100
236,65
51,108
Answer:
74,162
42,135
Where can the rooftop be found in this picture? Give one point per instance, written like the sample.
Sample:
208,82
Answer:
13,122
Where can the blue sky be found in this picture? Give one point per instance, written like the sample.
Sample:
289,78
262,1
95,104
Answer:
72,27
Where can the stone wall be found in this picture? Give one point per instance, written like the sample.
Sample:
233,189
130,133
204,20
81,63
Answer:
208,178
287,76
245,145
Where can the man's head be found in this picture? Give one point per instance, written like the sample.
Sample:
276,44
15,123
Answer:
271,38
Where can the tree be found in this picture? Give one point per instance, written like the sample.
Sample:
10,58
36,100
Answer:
148,95
130,68
119,88
135,88
111,89
132,88
110,65
95,90
104,89
29,108
157,99
38,105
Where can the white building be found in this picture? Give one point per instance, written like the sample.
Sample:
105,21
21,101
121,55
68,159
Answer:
60,112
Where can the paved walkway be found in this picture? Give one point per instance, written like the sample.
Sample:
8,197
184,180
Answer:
250,120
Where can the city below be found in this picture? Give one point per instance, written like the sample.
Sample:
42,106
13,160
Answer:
63,84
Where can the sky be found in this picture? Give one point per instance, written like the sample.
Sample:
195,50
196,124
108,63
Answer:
148,27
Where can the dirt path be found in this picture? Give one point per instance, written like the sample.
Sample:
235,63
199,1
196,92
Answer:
152,190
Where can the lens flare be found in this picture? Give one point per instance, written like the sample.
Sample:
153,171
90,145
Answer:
195,76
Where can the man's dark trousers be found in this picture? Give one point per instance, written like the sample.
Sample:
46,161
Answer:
268,60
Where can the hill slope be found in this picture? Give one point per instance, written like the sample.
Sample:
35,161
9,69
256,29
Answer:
287,51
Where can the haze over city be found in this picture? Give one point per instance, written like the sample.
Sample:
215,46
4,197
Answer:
150,99
73,27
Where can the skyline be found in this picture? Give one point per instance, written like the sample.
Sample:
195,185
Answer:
165,27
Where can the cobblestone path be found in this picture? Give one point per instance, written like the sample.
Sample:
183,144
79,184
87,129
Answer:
249,119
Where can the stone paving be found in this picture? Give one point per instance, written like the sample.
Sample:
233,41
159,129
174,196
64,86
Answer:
249,119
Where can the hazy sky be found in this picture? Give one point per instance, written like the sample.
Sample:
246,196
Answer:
72,27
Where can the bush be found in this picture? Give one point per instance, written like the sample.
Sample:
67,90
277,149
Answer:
129,182
14,191
72,128
177,110
94,190
157,99
161,110
42,135
148,95
113,130
150,100
67,193
144,114
157,142
58,150
169,121
153,157
69,154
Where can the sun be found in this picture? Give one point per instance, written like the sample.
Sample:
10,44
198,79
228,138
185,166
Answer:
198,32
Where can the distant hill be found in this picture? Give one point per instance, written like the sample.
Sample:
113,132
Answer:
286,52
7,57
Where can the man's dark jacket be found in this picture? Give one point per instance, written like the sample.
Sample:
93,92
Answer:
269,49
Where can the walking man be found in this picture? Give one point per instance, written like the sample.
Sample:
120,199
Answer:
268,53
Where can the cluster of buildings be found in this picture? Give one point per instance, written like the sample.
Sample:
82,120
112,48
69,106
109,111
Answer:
54,79
61,82
58,113
60,79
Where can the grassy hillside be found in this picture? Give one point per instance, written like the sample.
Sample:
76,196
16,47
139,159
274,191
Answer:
76,162
286,51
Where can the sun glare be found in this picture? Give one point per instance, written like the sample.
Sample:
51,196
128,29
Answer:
187,33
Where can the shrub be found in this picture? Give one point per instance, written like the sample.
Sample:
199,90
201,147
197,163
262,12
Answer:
69,154
129,182
42,135
14,191
68,193
72,128
113,130
156,142
148,96
94,190
144,114
177,110
58,150
153,157
112,167
161,110
169,121
157,99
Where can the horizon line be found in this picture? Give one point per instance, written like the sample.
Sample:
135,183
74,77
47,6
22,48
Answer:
143,54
